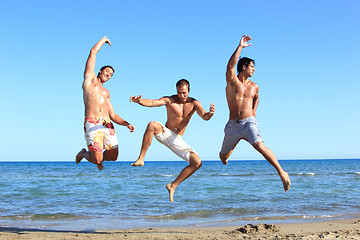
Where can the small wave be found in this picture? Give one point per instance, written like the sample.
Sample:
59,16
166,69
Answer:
322,216
232,175
306,174
358,173
168,175
54,216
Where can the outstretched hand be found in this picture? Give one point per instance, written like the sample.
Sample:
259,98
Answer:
212,108
244,41
135,99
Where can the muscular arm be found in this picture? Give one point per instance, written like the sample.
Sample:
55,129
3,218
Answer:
89,72
255,101
149,102
230,71
201,111
116,118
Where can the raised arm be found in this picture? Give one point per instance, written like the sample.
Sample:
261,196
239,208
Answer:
149,102
201,111
230,71
90,63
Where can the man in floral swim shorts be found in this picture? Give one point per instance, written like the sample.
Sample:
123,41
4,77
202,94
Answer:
99,130
100,134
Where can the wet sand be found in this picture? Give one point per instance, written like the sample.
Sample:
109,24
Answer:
335,229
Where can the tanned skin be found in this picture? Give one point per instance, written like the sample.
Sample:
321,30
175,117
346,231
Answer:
180,108
243,98
97,104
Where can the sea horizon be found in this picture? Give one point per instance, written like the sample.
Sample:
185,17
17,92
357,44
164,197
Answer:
207,160
62,195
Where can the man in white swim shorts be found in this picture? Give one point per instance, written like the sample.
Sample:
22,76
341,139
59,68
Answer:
174,142
243,98
180,108
99,112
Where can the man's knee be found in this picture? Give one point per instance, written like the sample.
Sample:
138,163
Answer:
195,160
97,156
112,155
224,156
259,146
154,127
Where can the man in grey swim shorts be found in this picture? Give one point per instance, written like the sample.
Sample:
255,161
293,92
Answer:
180,109
243,98
235,130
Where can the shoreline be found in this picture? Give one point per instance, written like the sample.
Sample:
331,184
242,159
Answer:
108,224
331,229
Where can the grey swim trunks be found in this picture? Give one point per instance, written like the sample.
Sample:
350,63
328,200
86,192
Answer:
235,130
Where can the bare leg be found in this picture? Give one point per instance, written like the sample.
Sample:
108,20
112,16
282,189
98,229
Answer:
93,157
195,164
80,156
152,128
270,157
224,157
111,155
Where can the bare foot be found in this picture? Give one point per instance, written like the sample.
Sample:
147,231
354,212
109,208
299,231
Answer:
286,181
224,161
100,166
138,163
171,192
80,156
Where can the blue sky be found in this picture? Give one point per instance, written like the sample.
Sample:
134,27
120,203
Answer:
307,68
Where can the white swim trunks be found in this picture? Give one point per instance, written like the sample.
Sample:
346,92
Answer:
235,130
175,143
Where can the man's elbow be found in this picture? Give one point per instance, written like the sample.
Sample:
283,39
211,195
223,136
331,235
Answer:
93,52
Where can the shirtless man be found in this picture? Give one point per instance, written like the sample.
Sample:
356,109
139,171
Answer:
180,109
243,98
99,130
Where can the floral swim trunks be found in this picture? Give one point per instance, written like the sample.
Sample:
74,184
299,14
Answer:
100,134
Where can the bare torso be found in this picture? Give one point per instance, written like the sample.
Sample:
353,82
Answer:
179,114
95,99
241,98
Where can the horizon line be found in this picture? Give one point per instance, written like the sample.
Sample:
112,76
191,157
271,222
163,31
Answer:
210,160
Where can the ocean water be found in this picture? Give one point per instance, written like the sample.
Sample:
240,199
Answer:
66,196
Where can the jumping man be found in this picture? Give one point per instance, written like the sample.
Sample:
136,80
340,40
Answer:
243,98
99,130
180,109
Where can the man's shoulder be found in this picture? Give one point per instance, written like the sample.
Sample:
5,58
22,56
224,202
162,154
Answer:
254,85
166,97
192,100
90,80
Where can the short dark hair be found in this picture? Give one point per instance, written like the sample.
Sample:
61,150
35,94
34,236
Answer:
107,66
244,61
183,82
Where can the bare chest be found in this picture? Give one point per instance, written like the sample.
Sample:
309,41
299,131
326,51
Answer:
97,93
240,90
181,110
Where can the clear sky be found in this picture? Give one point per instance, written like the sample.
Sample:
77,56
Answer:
307,68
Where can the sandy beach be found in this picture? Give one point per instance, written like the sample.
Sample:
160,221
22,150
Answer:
335,229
